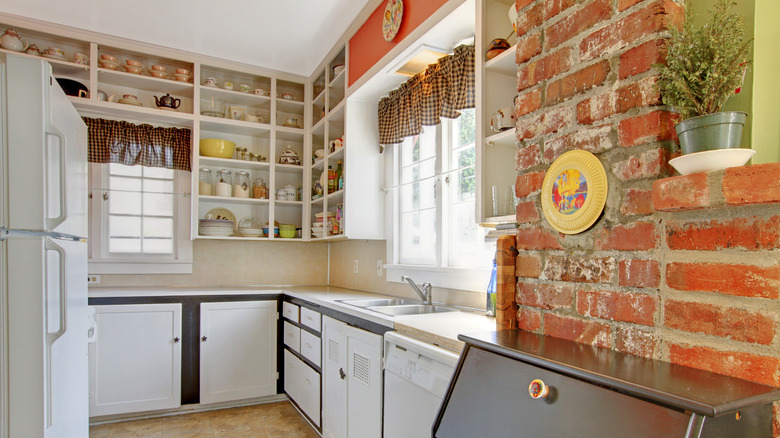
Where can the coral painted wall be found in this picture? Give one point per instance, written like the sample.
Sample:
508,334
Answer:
368,45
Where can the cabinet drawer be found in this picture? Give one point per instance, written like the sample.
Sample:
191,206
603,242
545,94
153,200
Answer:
290,311
310,347
302,384
292,336
310,318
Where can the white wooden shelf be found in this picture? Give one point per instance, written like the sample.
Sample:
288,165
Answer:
233,200
230,126
504,62
143,82
234,97
235,164
130,112
503,139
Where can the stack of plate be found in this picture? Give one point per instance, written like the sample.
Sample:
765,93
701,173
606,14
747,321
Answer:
250,232
216,227
318,230
249,227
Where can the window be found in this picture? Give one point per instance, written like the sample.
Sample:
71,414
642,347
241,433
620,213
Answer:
140,220
435,232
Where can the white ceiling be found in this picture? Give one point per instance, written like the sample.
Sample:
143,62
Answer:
287,35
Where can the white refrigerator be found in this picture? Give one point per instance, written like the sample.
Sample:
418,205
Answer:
43,255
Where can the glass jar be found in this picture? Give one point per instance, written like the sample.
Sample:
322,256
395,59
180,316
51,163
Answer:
224,183
259,189
205,182
241,185
240,152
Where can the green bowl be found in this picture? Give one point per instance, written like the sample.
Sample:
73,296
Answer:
286,231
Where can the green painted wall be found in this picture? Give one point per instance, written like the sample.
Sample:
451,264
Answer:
760,96
766,90
744,100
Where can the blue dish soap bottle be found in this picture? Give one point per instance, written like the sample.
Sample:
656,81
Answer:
490,308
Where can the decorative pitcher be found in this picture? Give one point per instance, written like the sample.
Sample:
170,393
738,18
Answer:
11,40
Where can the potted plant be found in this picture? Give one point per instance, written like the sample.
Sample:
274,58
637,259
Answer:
704,67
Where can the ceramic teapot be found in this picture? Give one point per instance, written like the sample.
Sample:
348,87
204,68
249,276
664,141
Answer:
11,40
167,101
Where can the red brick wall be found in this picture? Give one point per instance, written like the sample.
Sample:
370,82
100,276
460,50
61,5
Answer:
678,268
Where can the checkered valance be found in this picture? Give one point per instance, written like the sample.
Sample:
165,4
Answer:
440,91
112,141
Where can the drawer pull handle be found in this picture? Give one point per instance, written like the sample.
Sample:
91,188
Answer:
538,390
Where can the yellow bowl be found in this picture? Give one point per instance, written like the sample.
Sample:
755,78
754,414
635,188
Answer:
217,148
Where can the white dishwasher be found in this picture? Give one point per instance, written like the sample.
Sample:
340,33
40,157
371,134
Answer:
417,375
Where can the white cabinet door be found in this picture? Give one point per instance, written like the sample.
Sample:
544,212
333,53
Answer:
352,381
364,384
334,383
135,363
237,350
302,384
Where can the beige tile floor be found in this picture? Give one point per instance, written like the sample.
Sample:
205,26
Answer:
268,420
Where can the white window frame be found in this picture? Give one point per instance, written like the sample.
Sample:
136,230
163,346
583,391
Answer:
101,262
439,275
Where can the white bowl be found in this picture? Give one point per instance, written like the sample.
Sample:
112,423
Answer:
319,153
716,159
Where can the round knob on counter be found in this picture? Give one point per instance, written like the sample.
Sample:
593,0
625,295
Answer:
538,390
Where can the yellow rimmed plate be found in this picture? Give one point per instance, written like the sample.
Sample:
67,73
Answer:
221,213
574,192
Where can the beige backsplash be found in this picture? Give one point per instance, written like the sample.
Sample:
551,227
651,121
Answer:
242,263
246,263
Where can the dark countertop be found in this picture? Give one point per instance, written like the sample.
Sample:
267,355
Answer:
677,386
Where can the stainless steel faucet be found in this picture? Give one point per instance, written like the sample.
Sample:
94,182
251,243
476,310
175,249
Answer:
425,293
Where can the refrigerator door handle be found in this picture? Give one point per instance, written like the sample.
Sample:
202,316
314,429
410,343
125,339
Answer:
51,337
92,330
52,223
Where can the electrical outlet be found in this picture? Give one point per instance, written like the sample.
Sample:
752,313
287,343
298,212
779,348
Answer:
93,279
355,267
378,267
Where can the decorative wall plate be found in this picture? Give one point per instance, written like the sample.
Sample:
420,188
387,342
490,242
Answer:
391,21
574,192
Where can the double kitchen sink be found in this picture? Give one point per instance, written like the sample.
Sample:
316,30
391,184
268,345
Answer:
398,306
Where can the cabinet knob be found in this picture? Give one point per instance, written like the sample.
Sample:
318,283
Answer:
176,340
203,338
538,390
342,374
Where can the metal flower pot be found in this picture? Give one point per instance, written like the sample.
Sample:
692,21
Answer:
712,131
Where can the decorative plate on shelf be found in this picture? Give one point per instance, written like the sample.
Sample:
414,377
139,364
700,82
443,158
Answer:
391,21
574,192
221,213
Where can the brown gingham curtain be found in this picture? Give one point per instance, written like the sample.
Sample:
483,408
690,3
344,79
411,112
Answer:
440,91
112,141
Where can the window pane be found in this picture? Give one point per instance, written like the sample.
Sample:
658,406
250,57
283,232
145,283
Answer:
157,172
121,169
158,246
467,246
122,245
124,226
158,185
158,227
466,127
118,183
418,238
124,203
156,204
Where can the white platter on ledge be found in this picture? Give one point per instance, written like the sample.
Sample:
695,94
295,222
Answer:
716,159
